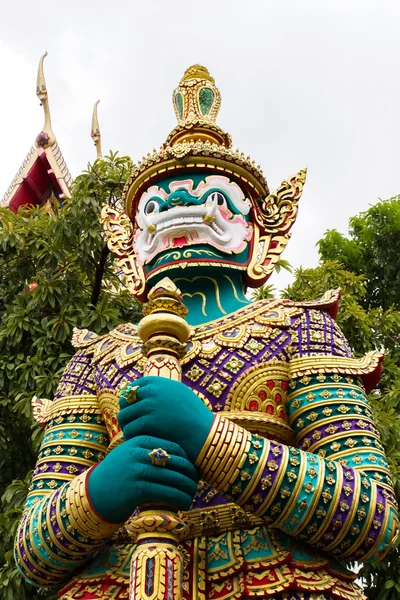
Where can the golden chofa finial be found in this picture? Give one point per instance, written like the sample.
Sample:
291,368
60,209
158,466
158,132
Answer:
46,137
196,99
96,136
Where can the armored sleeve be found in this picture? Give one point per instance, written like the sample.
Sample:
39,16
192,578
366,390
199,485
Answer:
332,487
59,529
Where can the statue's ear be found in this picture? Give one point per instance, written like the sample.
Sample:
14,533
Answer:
273,219
119,235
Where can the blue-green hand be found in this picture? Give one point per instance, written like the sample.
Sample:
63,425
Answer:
126,479
169,410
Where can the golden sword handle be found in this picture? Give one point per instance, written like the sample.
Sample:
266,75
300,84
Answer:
157,564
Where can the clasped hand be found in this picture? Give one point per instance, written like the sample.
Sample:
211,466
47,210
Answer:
167,415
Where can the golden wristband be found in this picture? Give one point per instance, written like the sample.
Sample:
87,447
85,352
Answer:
82,516
223,453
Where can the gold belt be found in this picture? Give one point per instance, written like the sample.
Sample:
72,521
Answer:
211,521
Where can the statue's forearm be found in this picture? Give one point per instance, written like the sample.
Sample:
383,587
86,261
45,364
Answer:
59,533
59,530
333,507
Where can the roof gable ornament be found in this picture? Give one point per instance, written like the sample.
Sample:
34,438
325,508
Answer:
46,137
96,135
44,173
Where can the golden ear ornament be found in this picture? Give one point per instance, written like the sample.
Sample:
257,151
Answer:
273,218
119,234
278,211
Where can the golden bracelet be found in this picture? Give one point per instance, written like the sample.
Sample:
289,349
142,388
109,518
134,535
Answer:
274,489
215,444
232,443
351,514
210,436
238,456
223,453
82,516
235,452
220,452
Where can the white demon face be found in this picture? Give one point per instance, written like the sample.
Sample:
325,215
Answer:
212,212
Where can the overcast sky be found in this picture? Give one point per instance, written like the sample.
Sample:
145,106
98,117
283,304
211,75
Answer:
304,83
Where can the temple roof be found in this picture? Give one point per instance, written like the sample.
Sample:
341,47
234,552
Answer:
44,171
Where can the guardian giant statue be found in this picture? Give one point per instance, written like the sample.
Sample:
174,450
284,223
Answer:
222,449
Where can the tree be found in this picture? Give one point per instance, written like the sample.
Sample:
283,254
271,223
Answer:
56,273
373,249
366,265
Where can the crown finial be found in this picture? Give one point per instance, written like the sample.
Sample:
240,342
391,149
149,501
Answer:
96,136
196,99
197,72
46,137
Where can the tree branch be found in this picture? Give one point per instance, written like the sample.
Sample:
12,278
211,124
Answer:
99,275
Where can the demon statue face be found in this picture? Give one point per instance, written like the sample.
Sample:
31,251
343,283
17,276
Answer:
202,211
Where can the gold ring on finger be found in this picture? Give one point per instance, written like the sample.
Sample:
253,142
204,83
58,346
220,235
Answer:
159,457
130,394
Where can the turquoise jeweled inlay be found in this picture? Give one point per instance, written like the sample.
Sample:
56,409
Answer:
179,104
40,543
309,474
206,99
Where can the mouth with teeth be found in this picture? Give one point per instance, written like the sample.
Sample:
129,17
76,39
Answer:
187,225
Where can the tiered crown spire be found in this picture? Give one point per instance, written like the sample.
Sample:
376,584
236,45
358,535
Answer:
196,102
196,98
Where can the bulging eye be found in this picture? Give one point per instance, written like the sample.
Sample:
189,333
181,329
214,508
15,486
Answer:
217,197
151,206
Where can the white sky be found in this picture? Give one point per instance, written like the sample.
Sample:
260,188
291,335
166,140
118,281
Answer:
304,83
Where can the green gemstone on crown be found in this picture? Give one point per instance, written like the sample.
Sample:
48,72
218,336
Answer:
179,104
206,99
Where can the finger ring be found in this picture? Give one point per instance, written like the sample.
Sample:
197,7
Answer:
129,394
159,457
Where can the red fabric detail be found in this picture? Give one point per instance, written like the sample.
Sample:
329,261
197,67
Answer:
95,590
